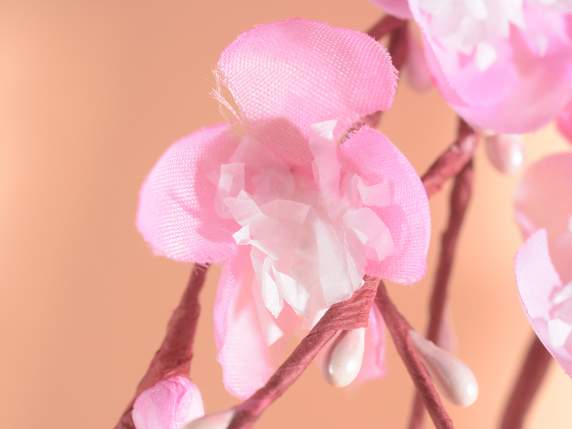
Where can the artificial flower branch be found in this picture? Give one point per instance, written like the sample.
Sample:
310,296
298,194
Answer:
387,24
458,204
176,351
532,373
346,315
400,330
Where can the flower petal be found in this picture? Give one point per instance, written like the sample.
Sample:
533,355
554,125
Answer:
373,365
543,198
304,72
565,122
369,154
176,214
169,404
525,87
545,300
244,330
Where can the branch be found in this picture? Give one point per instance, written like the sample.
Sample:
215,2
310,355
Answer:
346,315
176,351
452,161
458,204
399,329
384,26
532,373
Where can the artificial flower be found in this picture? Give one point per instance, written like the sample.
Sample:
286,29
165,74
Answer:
505,65
543,269
296,197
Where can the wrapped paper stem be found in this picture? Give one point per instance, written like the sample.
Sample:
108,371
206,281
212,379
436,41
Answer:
400,329
346,315
530,377
384,26
176,351
458,204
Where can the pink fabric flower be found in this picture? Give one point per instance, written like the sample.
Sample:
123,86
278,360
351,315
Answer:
503,65
170,404
543,270
298,207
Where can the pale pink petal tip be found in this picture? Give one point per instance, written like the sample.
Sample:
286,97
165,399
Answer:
398,8
376,160
543,198
169,404
176,213
303,72
547,302
244,329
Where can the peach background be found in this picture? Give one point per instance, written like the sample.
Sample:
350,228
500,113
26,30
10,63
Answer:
91,93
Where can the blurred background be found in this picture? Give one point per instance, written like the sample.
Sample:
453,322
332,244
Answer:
91,93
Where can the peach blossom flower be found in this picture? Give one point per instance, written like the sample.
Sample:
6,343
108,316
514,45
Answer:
296,197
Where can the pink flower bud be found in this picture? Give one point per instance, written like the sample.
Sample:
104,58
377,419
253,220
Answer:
345,358
169,404
505,151
212,421
455,379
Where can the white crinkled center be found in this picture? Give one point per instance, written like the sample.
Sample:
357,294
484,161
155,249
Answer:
472,27
310,232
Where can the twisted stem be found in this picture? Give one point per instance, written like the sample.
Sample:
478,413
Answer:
176,351
458,204
532,373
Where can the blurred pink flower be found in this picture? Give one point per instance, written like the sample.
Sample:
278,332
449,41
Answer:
504,66
297,198
169,404
565,122
543,269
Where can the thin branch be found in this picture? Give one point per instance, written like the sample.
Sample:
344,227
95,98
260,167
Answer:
458,204
399,329
346,315
384,26
176,351
532,373
452,161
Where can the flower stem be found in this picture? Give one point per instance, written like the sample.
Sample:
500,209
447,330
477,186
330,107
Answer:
532,373
176,351
458,204
384,26
452,160
399,329
346,315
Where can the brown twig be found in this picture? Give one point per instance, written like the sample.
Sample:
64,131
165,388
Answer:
458,204
346,315
529,379
399,329
384,26
176,351
452,161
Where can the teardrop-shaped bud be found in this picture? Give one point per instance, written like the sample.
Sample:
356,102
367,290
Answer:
219,420
455,379
505,151
345,357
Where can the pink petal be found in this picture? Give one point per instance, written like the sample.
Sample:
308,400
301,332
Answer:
374,357
523,90
169,404
565,122
398,8
243,328
543,198
369,154
288,75
541,292
176,214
